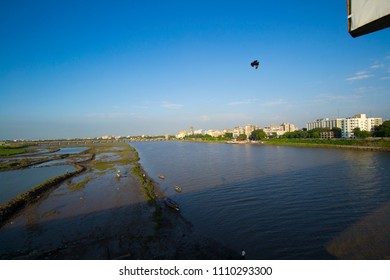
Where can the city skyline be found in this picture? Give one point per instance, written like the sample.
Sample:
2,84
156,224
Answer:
73,69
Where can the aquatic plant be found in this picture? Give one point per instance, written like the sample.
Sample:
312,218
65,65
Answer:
79,185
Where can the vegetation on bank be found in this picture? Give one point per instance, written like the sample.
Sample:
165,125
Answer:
26,162
79,185
375,143
375,139
12,149
122,157
209,138
148,188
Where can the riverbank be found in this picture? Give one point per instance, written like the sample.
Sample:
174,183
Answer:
98,215
379,145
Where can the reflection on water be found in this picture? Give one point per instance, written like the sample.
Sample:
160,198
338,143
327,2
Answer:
276,202
15,182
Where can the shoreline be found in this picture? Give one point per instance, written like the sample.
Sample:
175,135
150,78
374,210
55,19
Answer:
299,144
13,207
96,215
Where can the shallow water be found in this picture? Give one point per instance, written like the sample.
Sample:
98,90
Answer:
274,202
75,150
15,182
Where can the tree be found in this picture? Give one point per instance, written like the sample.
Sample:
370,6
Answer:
382,130
316,132
258,134
241,137
296,134
336,132
229,135
361,133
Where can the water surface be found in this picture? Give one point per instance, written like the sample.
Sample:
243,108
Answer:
15,182
274,202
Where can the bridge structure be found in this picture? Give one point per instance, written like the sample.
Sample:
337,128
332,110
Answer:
79,142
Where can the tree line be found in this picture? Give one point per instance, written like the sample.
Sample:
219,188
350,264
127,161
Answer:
382,130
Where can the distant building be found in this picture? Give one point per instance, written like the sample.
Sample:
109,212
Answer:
327,134
237,131
288,127
199,132
325,123
181,134
249,128
109,137
227,130
347,125
279,130
361,121
214,133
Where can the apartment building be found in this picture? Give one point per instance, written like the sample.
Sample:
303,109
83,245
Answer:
279,129
249,128
237,131
325,123
347,125
361,121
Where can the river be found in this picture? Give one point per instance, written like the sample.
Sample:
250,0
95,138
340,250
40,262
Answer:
274,202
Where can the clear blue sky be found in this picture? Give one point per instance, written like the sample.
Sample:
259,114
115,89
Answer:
92,68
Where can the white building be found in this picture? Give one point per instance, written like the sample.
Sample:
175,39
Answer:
361,121
237,131
324,123
249,128
347,125
199,131
288,127
279,129
214,133
181,134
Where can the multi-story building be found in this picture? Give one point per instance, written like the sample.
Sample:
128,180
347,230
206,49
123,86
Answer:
181,134
288,127
237,131
347,125
199,132
214,133
279,129
324,123
358,121
249,128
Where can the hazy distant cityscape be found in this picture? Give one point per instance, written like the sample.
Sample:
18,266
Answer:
347,125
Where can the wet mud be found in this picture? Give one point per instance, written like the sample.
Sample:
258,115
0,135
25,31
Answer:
98,215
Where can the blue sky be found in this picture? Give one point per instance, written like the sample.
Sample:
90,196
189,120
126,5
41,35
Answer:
91,68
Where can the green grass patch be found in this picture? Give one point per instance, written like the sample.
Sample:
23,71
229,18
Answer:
79,185
381,143
103,165
120,157
6,151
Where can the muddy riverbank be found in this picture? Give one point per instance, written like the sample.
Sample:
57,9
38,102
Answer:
98,215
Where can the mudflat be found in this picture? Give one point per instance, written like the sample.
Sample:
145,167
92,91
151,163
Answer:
99,215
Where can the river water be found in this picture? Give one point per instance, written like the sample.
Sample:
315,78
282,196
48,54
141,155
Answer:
275,202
